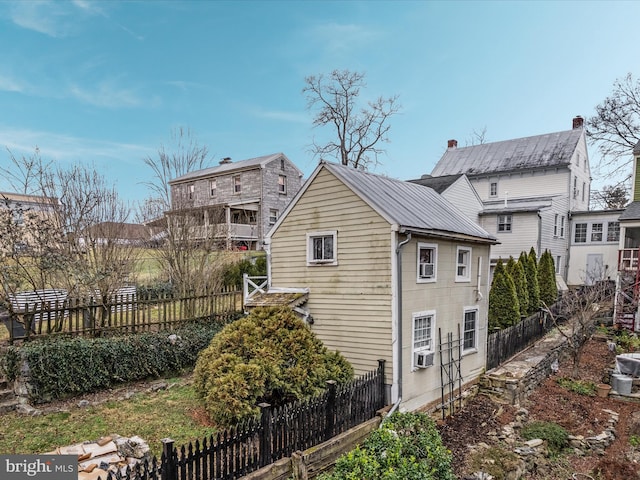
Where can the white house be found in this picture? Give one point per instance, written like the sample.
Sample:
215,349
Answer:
528,186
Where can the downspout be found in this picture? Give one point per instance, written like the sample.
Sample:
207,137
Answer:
399,313
539,234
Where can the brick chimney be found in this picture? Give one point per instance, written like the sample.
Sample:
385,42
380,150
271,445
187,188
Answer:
452,144
578,122
225,160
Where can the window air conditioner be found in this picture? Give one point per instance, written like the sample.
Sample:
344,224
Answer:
423,359
426,270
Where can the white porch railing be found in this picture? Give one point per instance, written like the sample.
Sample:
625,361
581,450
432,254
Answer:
250,287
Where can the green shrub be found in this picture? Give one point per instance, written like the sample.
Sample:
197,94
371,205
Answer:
61,367
269,356
406,447
504,310
516,270
155,290
529,262
556,437
581,387
547,279
232,273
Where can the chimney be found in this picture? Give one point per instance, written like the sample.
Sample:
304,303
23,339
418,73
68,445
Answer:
225,160
452,144
578,122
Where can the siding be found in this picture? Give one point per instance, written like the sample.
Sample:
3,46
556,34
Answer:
523,236
524,184
462,196
448,299
351,303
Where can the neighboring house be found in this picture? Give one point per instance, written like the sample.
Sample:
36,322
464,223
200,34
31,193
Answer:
529,186
236,202
389,270
594,246
627,314
458,190
24,210
118,233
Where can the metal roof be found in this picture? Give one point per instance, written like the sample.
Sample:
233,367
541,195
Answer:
409,205
632,212
232,166
439,184
549,150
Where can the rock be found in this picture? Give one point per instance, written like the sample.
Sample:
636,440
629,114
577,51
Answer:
536,442
26,409
83,403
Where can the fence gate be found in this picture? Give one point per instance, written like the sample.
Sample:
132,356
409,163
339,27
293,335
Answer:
450,372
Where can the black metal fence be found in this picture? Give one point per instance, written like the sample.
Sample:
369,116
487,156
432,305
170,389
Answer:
278,433
94,316
503,344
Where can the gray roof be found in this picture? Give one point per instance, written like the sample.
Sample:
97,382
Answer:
231,166
552,149
632,212
636,148
439,184
409,205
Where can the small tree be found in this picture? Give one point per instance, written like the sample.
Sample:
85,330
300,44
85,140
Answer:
504,310
269,356
516,271
531,272
547,279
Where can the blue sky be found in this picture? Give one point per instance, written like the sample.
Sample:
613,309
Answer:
105,82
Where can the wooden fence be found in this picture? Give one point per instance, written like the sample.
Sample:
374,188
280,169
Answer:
94,316
278,433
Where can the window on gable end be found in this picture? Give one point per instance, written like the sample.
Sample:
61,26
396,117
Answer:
282,184
322,248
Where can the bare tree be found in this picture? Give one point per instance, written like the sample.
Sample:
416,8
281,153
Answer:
581,307
615,128
183,155
478,137
611,197
24,173
359,131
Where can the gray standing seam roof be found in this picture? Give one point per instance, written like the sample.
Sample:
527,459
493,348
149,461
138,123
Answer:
552,149
229,167
408,204
439,184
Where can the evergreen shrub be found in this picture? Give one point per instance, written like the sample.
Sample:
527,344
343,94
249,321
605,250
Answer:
547,279
504,310
406,447
60,367
268,356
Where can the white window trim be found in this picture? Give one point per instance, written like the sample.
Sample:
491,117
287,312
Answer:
282,191
474,349
419,279
491,194
562,226
213,187
273,216
555,225
235,184
467,277
426,313
326,233
510,223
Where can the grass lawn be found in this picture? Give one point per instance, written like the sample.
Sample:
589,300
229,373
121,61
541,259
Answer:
170,413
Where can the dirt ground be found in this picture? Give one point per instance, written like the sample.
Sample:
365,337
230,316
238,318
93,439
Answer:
578,414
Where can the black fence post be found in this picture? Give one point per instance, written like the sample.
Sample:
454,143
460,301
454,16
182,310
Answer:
381,393
168,467
265,434
330,411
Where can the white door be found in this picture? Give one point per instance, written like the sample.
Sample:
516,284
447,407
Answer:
595,268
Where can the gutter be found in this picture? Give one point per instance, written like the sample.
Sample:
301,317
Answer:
399,313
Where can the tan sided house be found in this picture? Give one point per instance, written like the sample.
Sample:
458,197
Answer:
394,271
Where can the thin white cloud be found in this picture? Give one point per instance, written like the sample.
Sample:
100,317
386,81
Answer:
8,84
46,17
342,38
106,95
293,117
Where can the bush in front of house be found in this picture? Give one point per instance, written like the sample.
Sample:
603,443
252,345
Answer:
504,310
269,356
516,270
547,279
60,367
406,447
529,263
232,273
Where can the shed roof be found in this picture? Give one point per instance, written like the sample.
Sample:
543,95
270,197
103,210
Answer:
632,212
260,162
439,184
539,151
409,205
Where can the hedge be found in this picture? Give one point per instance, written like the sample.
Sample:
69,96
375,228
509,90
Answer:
62,367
